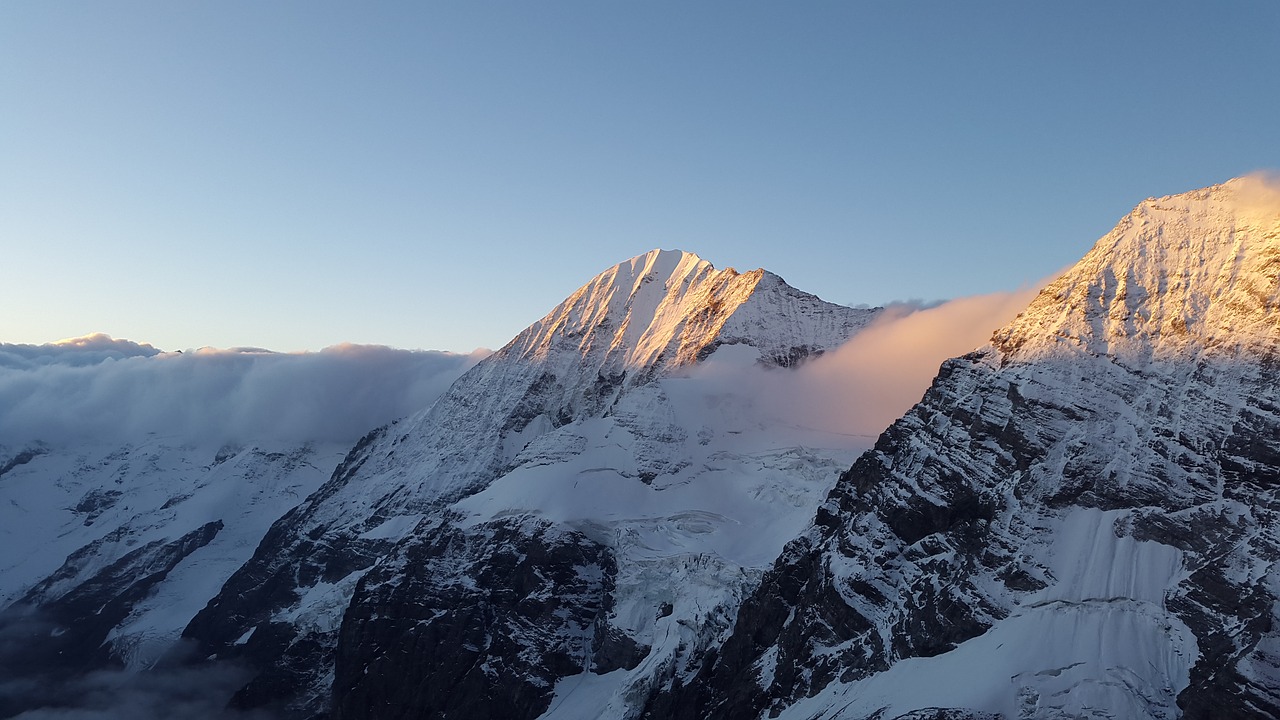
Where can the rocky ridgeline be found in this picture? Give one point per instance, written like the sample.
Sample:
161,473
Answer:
1113,457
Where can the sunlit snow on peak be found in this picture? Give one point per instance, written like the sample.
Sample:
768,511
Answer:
663,306
1182,273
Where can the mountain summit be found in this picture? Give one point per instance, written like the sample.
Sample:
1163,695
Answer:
1180,274
669,308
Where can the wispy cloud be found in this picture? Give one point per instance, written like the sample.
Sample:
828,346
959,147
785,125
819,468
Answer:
1258,195
869,382
100,388
860,388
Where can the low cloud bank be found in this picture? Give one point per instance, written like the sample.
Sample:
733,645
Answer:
189,694
860,388
78,352
31,690
97,388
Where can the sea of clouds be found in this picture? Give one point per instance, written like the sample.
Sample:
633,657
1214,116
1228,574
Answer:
98,388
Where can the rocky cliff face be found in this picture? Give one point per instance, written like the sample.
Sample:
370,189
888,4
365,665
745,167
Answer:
481,622
1078,519
568,459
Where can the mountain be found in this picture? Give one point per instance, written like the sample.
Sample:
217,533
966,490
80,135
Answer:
1078,519
572,519
620,514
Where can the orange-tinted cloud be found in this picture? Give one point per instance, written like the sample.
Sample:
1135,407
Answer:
866,384
860,388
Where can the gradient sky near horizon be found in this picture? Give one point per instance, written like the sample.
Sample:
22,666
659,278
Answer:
293,175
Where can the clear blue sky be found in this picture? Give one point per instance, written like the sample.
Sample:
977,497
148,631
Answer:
439,174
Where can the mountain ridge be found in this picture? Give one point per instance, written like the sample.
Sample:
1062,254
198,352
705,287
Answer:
1078,518
589,374
1075,518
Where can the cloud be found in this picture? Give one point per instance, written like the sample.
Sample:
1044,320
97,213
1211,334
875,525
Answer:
31,691
97,388
1257,195
88,350
189,693
872,380
860,388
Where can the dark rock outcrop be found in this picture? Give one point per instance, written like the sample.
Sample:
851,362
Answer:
477,622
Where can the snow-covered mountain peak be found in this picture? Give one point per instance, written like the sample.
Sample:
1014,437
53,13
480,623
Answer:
663,306
668,308
580,439
1178,275
1077,521
631,324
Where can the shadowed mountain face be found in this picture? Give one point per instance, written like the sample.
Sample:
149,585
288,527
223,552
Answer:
1078,518
581,458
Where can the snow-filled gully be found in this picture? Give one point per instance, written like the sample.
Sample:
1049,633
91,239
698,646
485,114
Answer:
1096,643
